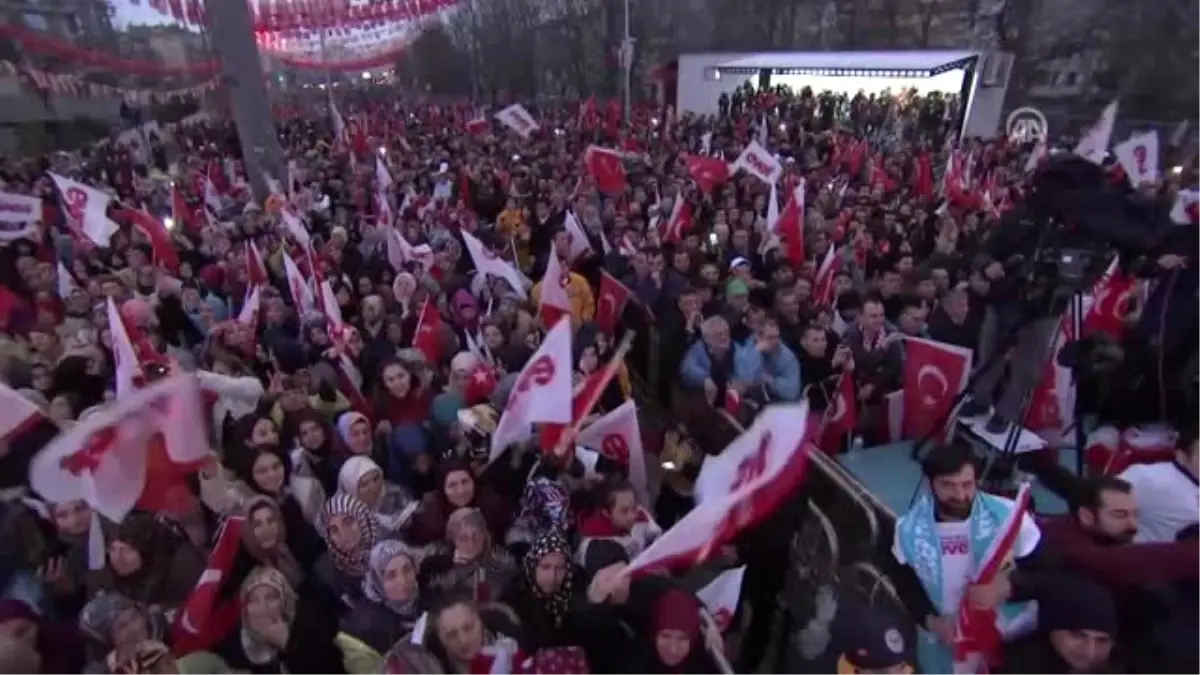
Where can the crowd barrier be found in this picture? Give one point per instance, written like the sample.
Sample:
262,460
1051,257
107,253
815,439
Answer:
846,538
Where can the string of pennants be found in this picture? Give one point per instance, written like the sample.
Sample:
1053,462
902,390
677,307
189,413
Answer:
66,84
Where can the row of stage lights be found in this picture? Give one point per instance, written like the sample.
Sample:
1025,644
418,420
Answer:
825,72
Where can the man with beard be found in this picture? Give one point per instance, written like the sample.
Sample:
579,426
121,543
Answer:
941,543
1096,540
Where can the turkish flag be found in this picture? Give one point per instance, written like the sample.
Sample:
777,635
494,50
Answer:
708,172
478,125
842,415
607,167
979,640
732,401
611,303
180,212
206,617
831,264
934,374
680,221
161,245
790,225
481,385
1115,299
426,338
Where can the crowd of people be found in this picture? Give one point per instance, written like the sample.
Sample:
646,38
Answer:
350,443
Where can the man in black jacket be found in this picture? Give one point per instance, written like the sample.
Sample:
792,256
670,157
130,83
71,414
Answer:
1016,318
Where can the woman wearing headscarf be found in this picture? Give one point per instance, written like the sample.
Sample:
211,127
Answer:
468,638
403,288
390,505
544,594
471,565
545,505
111,621
265,538
676,641
280,631
354,430
457,487
391,597
350,531
264,470
149,563
58,647
464,316
313,455
406,658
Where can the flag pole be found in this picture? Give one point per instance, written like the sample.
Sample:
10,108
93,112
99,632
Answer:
568,436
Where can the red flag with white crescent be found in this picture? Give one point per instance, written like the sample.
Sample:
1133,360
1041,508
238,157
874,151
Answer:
205,617
842,415
934,374
979,641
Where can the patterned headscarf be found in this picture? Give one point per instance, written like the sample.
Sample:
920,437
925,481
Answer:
372,585
545,505
273,579
353,562
556,603
98,615
144,657
405,658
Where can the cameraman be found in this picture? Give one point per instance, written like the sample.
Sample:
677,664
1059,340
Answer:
1012,304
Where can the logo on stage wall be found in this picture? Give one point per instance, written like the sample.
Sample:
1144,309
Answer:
1027,124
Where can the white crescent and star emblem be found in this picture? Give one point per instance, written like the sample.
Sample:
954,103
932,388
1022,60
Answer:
607,299
927,399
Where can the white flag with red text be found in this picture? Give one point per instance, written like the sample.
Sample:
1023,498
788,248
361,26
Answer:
17,413
302,294
737,488
87,208
618,436
486,262
554,303
542,392
720,596
105,458
759,162
400,252
517,118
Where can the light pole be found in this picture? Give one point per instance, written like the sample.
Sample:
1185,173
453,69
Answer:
232,31
627,65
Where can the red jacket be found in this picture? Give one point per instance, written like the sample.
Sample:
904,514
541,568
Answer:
1121,568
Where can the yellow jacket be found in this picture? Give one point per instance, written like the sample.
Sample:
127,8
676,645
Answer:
511,223
357,656
579,297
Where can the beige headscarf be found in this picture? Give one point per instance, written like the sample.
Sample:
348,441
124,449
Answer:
257,650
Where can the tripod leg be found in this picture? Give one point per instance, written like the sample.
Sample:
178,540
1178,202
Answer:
1034,345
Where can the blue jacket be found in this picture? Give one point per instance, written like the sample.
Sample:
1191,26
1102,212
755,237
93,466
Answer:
784,369
696,366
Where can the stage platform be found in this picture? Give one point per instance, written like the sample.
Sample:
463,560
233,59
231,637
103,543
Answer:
890,474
